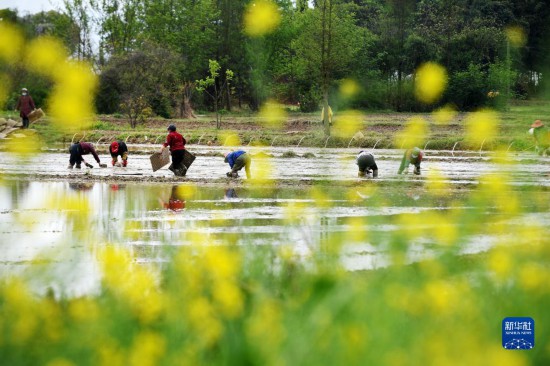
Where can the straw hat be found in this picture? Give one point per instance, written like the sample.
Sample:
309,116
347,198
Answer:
537,123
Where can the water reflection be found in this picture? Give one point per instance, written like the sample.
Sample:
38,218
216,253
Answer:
80,186
230,193
176,201
66,234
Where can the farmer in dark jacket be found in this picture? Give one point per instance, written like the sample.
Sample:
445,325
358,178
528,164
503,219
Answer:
25,105
79,149
542,137
237,160
412,156
177,147
119,148
365,162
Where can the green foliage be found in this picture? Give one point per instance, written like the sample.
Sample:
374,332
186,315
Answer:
467,89
150,74
215,85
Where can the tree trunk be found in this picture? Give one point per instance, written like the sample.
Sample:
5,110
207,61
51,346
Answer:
187,109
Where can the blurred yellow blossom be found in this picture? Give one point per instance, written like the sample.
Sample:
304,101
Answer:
516,36
482,126
187,190
415,133
261,17
431,81
5,86
264,327
46,55
229,138
11,43
444,115
349,88
25,147
348,123
356,232
272,115
500,263
148,349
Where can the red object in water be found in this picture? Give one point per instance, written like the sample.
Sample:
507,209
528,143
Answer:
175,205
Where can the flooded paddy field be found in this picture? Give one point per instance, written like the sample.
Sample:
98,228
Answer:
54,220
289,164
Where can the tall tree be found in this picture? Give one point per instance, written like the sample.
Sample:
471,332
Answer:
120,23
327,44
77,11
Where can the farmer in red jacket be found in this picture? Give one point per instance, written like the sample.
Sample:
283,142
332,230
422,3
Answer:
177,147
25,105
79,149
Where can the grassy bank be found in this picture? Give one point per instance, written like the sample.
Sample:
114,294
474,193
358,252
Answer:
368,130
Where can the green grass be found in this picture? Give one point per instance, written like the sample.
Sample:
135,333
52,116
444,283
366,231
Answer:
378,128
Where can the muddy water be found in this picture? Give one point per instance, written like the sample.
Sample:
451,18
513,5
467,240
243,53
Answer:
55,247
323,164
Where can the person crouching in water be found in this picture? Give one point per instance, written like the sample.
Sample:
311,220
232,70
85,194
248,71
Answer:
365,162
412,156
119,148
542,137
237,160
177,146
79,149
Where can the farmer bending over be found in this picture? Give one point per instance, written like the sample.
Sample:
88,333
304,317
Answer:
79,149
542,137
237,160
119,148
366,163
177,146
411,156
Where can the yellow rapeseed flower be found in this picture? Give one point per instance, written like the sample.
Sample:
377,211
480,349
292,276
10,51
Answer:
261,17
60,362
83,310
71,102
187,190
148,349
228,297
27,148
349,88
482,126
262,170
221,262
414,134
322,200
440,296
516,36
11,43
272,115
356,232
348,123
5,86
205,325
500,263
431,81
264,327
46,55
436,184
444,115
229,138
534,277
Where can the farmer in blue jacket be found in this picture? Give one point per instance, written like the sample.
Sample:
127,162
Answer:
237,160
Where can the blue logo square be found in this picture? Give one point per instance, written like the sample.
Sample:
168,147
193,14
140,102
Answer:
518,333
